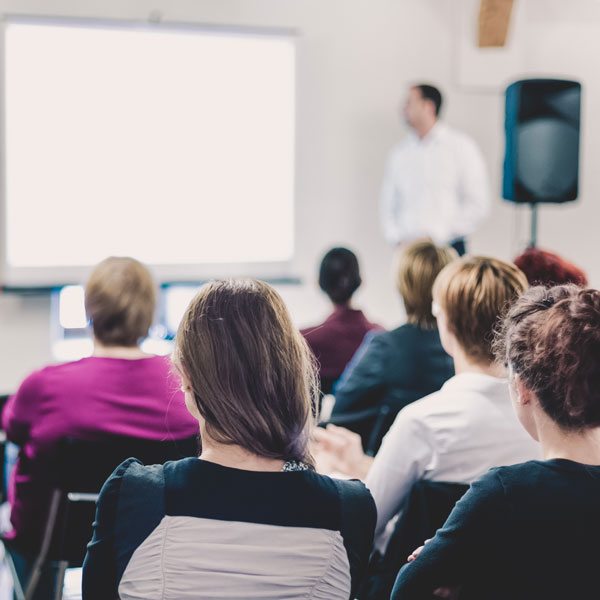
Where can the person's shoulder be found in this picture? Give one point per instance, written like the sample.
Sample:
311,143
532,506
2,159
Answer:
416,420
460,139
394,337
134,471
351,489
89,364
355,499
37,379
526,473
347,490
381,338
314,331
401,147
58,369
34,379
454,133
411,332
156,365
397,344
425,407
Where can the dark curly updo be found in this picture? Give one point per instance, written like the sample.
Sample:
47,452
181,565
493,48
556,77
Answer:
551,339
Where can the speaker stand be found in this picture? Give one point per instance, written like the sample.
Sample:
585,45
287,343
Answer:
534,223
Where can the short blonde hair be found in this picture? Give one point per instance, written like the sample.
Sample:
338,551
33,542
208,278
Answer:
474,293
120,300
418,264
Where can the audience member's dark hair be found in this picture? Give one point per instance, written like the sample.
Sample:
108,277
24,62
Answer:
551,340
339,276
429,92
546,268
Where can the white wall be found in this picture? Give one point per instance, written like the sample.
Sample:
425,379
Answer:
354,60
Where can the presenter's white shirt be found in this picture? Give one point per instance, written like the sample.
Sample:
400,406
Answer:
455,434
434,187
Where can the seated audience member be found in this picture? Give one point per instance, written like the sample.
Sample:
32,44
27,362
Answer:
465,428
397,367
542,267
249,518
119,390
530,531
334,341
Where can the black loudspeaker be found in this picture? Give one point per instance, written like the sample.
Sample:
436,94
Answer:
542,141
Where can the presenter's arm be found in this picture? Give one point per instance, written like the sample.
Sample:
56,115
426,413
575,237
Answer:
475,194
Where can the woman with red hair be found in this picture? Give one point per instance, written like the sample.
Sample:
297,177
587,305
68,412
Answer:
542,267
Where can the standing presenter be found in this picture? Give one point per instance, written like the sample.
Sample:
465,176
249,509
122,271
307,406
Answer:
435,183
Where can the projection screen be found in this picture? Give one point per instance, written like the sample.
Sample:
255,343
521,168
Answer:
172,144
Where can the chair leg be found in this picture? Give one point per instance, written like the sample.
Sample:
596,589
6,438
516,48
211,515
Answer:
36,573
60,579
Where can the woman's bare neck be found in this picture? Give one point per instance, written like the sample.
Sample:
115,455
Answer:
236,457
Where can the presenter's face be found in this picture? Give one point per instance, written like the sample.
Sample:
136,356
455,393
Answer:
413,107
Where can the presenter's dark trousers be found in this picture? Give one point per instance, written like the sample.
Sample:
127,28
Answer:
460,246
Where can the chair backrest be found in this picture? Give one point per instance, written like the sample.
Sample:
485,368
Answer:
428,506
371,424
83,467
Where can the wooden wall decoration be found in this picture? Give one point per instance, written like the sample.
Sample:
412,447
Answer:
494,19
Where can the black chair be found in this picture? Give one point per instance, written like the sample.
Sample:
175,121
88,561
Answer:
428,506
371,423
80,468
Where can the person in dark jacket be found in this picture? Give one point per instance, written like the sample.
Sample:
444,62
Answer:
397,367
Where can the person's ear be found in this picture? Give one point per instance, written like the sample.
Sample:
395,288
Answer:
448,339
524,394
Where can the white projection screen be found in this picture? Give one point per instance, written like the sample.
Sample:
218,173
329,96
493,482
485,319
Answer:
172,144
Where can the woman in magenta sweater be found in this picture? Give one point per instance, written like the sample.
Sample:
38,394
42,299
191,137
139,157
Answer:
119,390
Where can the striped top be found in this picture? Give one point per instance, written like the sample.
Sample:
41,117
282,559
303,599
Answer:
195,529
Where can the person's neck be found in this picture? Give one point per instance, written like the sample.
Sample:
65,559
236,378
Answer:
422,129
346,306
236,457
465,364
582,447
127,352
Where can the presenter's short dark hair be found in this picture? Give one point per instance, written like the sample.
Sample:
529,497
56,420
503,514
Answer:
430,92
339,276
